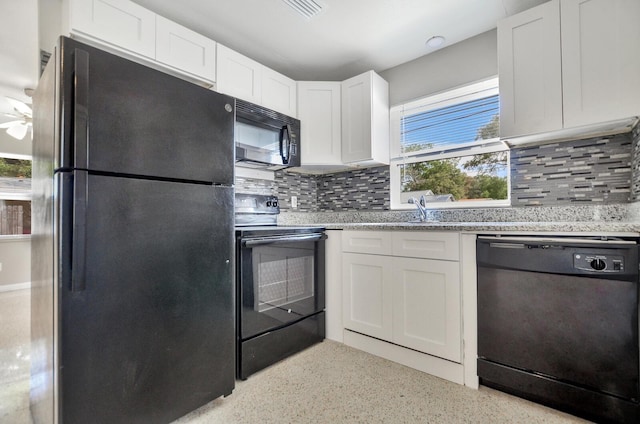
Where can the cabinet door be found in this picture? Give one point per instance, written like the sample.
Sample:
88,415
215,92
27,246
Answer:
600,60
319,113
530,71
367,295
356,119
426,306
120,23
278,92
184,49
238,76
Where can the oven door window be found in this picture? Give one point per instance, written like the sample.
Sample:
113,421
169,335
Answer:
279,285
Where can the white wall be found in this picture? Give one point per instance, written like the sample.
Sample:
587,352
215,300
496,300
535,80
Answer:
471,60
49,23
15,257
12,147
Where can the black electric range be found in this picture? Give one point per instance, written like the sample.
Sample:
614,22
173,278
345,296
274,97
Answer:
280,285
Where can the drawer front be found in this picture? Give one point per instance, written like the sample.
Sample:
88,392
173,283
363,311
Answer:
426,244
372,242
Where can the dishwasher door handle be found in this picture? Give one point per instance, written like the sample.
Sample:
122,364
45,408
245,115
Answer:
505,245
542,240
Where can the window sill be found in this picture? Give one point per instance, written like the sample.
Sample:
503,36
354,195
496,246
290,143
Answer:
455,205
14,237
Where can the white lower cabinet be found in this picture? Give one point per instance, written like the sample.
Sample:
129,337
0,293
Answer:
426,306
367,294
412,302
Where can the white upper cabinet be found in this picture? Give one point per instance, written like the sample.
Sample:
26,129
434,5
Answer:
568,64
242,77
184,49
136,32
600,60
279,92
365,120
530,71
238,75
319,114
118,22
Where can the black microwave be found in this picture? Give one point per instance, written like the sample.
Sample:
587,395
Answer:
265,138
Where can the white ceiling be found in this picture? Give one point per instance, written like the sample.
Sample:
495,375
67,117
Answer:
347,38
18,51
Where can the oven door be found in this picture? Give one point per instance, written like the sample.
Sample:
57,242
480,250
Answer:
280,281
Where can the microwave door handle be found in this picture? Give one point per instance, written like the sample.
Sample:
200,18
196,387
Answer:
285,145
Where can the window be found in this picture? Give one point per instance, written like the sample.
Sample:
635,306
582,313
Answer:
447,148
15,195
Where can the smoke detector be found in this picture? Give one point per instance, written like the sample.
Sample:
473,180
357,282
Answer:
306,8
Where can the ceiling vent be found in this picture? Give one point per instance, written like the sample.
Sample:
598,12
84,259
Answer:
306,8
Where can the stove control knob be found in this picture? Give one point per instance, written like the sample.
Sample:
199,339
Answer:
268,203
275,203
598,264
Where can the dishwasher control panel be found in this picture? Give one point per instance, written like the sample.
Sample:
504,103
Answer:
598,263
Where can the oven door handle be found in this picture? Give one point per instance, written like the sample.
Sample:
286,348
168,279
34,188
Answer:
280,239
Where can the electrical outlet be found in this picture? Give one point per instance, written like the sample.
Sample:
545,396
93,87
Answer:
294,202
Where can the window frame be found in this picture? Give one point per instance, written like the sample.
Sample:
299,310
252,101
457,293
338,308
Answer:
25,196
468,92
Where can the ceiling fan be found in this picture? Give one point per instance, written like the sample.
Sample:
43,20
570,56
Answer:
23,123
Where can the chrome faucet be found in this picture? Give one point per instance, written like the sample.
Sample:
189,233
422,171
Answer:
421,205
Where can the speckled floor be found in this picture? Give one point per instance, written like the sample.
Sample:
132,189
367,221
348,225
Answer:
14,356
328,383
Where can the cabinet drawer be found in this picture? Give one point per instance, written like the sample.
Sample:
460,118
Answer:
428,245
372,242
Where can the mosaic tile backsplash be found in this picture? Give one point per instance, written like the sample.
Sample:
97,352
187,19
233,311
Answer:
362,189
595,171
635,164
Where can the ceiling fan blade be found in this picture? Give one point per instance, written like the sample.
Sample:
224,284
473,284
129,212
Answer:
21,107
11,124
18,131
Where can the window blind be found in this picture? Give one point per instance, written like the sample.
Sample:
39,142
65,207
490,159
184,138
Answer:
451,126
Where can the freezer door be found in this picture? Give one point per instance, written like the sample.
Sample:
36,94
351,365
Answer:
122,117
147,328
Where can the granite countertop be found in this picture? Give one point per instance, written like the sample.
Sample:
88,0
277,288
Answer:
592,220
489,227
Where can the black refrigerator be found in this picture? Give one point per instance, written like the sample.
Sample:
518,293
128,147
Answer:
132,261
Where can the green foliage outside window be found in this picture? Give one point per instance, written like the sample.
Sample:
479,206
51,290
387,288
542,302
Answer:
481,176
16,168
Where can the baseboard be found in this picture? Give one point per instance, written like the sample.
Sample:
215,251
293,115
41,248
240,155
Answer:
433,365
12,287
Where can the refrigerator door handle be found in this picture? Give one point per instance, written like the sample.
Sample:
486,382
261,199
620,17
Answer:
79,237
81,108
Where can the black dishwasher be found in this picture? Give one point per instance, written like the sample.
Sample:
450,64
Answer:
558,322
